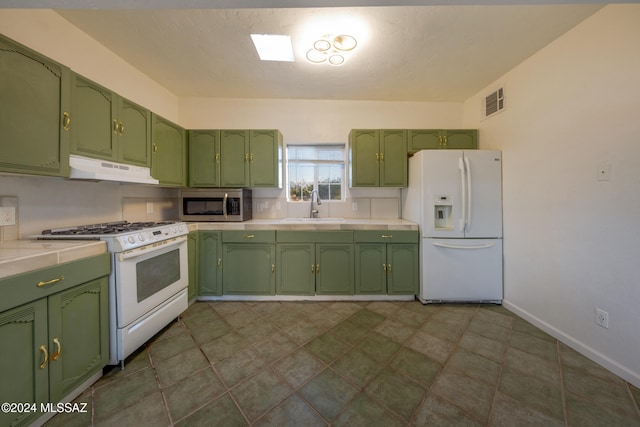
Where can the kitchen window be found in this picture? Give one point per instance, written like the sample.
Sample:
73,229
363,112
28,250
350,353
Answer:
315,167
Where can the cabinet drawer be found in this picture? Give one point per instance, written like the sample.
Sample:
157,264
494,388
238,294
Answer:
386,236
33,285
315,236
249,236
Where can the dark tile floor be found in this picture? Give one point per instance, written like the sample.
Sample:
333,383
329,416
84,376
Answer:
356,364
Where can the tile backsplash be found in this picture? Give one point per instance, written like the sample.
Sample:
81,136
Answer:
352,208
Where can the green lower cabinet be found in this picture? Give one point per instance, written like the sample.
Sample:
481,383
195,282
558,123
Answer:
209,275
78,336
334,269
51,345
296,269
192,253
387,268
23,342
248,262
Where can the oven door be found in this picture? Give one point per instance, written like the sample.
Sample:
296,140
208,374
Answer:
146,277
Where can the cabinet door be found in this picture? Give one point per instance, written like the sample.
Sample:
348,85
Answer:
248,268
210,263
94,126
204,158
168,163
393,158
193,252
365,158
334,269
134,133
403,269
78,336
23,369
371,268
265,157
234,158
461,139
295,269
33,90
424,139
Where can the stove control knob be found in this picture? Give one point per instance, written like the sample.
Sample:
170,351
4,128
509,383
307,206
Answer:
141,237
131,239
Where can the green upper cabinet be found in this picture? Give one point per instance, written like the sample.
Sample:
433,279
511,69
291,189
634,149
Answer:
378,158
204,158
436,139
107,126
169,158
234,162
251,158
34,112
265,158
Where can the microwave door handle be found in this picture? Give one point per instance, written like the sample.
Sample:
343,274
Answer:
224,205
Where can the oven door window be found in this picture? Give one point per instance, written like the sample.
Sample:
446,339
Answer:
157,273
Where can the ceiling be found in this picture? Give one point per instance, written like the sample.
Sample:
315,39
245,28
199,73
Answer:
404,53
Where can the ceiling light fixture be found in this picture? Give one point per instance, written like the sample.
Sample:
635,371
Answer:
273,47
331,49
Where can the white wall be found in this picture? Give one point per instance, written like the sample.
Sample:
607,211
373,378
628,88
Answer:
571,241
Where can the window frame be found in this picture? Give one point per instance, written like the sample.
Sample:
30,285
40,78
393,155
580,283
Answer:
315,163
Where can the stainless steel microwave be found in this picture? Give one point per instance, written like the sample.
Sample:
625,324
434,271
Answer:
215,204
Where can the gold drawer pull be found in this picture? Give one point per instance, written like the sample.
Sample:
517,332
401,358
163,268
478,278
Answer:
55,355
50,282
387,236
248,236
44,352
66,121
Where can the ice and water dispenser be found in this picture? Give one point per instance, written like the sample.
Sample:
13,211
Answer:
443,213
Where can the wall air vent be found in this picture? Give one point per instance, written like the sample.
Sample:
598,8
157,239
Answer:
493,103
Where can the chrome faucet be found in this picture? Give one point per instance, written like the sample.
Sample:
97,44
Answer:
313,213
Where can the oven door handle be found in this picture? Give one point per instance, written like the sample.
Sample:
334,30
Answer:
153,247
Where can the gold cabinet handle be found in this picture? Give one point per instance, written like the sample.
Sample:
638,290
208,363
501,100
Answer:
49,282
382,157
219,263
440,138
66,121
389,268
248,236
246,157
45,355
387,236
273,268
251,157
55,355
378,156
446,141
217,157
154,147
115,127
313,269
121,128
384,268
317,268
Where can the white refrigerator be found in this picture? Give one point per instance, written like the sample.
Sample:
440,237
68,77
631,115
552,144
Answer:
456,198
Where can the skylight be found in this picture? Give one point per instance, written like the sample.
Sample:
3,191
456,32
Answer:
273,47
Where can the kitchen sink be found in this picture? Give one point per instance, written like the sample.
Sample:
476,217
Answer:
313,220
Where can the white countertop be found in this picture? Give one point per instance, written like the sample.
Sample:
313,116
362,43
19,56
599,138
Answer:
307,224
20,256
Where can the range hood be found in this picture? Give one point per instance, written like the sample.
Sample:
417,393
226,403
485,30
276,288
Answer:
104,170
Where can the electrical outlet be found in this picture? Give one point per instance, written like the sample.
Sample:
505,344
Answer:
602,318
7,215
354,206
149,207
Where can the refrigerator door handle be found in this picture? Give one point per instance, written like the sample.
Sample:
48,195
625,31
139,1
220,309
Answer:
444,245
463,217
467,164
